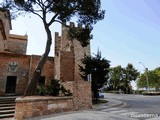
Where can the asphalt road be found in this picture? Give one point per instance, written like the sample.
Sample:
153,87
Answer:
138,106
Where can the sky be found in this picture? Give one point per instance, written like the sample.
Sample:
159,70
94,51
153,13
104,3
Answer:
129,33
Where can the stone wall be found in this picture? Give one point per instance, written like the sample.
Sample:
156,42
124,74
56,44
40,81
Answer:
67,66
79,53
5,17
29,107
47,71
2,36
82,95
21,69
16,44
24,67
68,55
1,39
81,91
33,106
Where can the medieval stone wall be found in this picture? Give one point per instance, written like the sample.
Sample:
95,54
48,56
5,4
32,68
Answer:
5,17
1,40
79,53
2,34
67,66
75,52
57,50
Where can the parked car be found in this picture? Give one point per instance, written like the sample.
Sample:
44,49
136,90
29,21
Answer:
101,95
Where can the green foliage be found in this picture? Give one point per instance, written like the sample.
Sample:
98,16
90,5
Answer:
120,78
138,92
153,79
55,89
81,34
42,90
98,68
151,93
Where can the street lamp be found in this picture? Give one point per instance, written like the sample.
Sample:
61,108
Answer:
146,69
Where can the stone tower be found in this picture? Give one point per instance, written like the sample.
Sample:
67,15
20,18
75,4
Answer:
66,68
68,55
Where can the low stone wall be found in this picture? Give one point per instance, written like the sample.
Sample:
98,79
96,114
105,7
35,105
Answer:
33,106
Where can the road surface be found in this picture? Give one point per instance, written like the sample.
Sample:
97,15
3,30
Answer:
136,106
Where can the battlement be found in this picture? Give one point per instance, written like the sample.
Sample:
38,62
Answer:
71,24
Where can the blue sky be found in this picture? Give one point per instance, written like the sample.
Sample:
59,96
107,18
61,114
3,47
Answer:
130,33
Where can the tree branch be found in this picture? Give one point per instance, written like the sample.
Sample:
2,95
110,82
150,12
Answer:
53,19
37,14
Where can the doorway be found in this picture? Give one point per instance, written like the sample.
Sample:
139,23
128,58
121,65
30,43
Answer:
11,85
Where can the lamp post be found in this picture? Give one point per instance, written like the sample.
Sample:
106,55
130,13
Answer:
146,69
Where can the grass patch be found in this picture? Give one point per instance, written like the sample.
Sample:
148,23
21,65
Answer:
100,102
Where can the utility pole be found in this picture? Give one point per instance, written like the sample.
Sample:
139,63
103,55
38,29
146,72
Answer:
146,70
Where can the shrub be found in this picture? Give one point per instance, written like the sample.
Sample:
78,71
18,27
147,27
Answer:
151,93
55,89
42,90
138,91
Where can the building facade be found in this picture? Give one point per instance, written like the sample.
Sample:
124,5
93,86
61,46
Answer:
17,67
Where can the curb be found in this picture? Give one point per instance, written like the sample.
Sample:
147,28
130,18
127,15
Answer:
110,104
117,103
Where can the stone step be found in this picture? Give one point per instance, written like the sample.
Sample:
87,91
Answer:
6,104
7,112
7,108
6,115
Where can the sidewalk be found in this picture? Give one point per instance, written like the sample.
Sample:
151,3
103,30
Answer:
91,114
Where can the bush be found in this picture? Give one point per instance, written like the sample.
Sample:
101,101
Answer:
138,92
151,93
55,89
41,90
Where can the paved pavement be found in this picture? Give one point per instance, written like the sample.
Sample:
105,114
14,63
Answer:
92,114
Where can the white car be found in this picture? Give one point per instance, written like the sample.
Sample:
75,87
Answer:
101,95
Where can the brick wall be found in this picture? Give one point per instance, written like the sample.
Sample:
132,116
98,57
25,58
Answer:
57,55
5,17
79,53
29,107
48,69
1,40
21,72
25,67
17,44
82,95
67,66
75,48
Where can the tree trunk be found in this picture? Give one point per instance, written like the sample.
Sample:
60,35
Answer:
31,87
